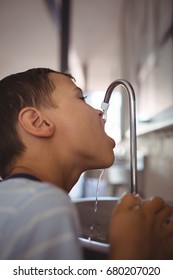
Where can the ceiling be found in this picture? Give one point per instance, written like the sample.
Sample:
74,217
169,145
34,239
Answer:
30,38
106,37
96,41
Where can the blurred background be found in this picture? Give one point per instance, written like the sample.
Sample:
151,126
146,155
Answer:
98,41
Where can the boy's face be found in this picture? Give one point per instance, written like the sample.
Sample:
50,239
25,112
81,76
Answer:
79,134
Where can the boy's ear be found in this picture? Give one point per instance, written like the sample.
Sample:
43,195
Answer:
34,122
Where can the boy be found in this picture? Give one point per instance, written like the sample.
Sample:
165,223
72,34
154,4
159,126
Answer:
49,137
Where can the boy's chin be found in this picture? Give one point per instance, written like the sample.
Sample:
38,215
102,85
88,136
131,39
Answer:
108,162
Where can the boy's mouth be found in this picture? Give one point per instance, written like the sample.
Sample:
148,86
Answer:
112,140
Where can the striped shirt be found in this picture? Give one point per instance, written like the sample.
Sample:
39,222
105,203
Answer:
37,221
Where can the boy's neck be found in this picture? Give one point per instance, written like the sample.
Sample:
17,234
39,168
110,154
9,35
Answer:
57,178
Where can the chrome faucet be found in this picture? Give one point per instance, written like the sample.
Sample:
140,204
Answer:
132,111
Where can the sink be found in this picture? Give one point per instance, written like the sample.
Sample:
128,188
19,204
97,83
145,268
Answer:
97,247
95,242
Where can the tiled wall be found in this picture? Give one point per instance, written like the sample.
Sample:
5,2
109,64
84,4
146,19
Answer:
158,173
148,36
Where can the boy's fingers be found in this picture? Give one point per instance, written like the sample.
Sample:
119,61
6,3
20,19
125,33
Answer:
154,205
168,228
164,214
129,201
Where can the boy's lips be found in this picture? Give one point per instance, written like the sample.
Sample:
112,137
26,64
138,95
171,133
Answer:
112,140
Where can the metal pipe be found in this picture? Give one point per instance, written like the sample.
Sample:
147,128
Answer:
132,120
65,32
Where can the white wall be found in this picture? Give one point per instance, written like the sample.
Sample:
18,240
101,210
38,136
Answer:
28,36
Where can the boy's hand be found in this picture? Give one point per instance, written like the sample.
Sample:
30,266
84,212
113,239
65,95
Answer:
139,230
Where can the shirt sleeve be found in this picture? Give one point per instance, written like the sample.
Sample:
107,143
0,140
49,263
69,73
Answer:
46,227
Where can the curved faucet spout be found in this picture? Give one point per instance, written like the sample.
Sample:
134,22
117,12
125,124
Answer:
132,120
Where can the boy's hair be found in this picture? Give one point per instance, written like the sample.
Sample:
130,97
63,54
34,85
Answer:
29,88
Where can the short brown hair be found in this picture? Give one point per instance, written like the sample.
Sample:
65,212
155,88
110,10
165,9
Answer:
30,88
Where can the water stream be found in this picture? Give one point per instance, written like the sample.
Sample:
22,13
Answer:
96,205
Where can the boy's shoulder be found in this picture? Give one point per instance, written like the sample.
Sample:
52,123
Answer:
36,215
17,191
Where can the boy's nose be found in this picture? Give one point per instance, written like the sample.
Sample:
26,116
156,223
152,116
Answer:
100,113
